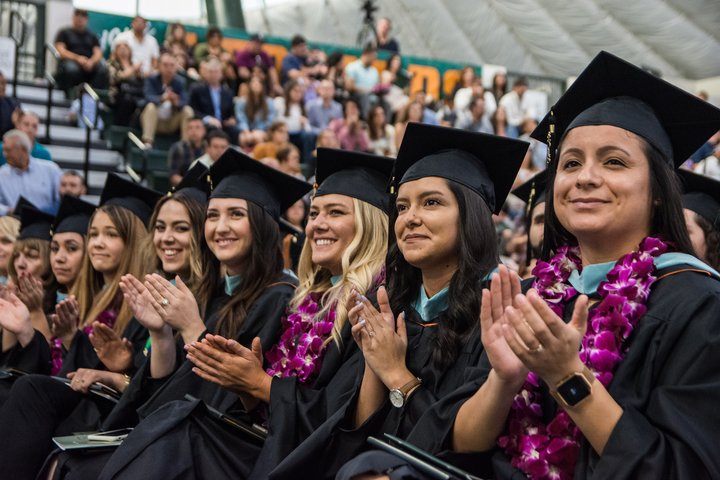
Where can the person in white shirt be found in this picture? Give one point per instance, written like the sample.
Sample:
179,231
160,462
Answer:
511,103
144,47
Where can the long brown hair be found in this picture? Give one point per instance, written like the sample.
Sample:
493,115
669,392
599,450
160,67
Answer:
93,296
286,95
256,103
264,266
199,254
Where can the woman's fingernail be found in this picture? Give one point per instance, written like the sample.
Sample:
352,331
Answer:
361,321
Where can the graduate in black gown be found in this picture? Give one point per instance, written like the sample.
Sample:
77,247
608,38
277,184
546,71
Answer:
701,206
532,193
425,340
629,388
29,298
108,338
242,295
344,251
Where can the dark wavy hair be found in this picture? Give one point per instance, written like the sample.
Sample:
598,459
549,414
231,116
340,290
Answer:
263,267
712,241
477,257
667,222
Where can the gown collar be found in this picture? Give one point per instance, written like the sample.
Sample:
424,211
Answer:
60,296
231,283
587,281
430,308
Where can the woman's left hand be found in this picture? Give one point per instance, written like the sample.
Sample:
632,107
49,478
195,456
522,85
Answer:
231,365
384,341
113,351
83,378
30,291
176,305
543,342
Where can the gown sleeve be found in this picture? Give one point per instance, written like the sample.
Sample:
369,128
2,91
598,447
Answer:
34,357
669,426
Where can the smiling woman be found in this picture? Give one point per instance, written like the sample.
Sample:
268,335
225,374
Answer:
572,392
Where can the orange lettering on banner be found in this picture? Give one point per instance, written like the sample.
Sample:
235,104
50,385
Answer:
450,79
427,77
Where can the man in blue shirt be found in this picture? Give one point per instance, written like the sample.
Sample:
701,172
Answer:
166,111
36,180
323,109
294,63
28,123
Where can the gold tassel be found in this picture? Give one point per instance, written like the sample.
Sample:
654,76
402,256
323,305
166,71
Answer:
550,136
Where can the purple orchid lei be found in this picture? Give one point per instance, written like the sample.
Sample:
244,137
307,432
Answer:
301,347
106,317
550,451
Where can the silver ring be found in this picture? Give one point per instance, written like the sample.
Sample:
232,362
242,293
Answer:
536,349
371,333
164,302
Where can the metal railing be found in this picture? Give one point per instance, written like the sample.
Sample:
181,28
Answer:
16,19
51,84
30,63
137,178
90,125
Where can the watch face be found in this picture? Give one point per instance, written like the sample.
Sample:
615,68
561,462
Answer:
574,390
397,399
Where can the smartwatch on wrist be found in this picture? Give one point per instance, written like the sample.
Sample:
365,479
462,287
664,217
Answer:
399,396
574,388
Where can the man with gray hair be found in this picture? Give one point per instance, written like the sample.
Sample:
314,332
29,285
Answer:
29,122
36,180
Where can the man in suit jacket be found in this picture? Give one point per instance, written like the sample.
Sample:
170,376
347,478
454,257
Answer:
214,102
167,111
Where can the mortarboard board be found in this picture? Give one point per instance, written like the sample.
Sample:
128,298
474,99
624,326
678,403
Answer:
533,191
34,223
73,216
484,163
235,175
20,204
130,195
702,196
355,174
611,91
194,184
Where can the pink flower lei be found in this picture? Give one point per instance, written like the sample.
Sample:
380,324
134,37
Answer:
551,451
301,347
106,317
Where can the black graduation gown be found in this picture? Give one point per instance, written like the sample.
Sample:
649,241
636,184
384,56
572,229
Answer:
295,410
668,386
166,409
40,407
336,441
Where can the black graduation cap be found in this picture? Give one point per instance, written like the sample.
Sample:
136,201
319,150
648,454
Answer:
235,175
34,223
484,163
130,195
702,196
194,184
611,91
355,174
533,191
289,229
73,216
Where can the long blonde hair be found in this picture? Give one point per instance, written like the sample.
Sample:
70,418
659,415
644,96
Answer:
362,264
92,295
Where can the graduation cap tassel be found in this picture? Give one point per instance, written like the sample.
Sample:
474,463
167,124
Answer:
550,138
